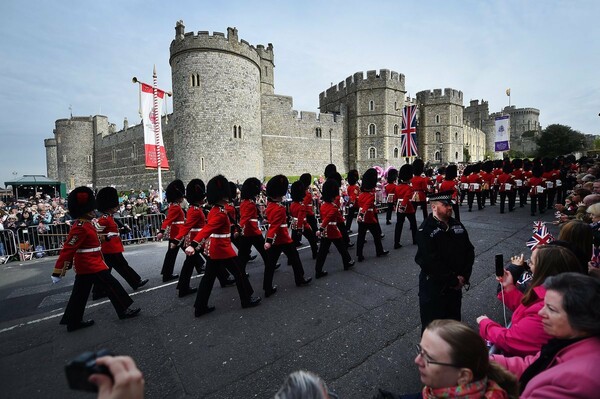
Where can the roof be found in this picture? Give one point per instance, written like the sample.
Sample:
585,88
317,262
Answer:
39,180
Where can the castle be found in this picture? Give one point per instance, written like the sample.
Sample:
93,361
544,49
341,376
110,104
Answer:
227,120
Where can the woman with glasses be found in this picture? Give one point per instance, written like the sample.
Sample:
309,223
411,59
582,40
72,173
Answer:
567,366
526,335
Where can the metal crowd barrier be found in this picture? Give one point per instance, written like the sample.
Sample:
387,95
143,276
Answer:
8,246
141,228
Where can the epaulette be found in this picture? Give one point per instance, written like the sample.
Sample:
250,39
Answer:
80,222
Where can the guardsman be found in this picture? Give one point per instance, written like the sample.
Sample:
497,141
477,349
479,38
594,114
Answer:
215,238
174,220
536,187
506,187
487,176
353,192
390,194
299,225
475,182
82,251
331,217
519,176
306,179
278,238
404,207
107,202
341,222
450,184
419,184
367,215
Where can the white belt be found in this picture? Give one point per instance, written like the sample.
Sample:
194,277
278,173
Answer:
178,223
220,235
369,210
332,223
284,225
85,250
254,220
195,229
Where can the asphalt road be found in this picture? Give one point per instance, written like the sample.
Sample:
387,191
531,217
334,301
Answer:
357,329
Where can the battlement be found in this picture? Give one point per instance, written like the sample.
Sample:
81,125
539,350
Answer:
475,103
374,80
513,110
437,96
49,142
218,41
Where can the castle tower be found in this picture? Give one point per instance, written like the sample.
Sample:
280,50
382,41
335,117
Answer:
217,83
440,131
51,164
373,108
477,115
75,151
267,81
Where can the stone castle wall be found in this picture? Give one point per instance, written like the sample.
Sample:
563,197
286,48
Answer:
75,150
51,160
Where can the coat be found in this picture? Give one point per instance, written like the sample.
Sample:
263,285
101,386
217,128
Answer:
278,233
82,250
217,233
249,218
112,244
573,373
366,207
526,334
330,217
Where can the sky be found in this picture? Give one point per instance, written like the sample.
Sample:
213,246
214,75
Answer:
59,57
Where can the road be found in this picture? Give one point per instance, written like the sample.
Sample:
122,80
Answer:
357,329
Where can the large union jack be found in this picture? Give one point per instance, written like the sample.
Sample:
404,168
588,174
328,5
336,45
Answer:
540,237
409,131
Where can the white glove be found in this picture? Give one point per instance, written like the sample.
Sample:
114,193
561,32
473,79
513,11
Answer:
55,279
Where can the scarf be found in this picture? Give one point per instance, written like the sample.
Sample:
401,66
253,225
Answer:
483,388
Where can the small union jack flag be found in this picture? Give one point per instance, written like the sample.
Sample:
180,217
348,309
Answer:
537,225
540,237
409,131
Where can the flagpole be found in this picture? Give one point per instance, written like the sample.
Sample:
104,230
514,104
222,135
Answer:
157,131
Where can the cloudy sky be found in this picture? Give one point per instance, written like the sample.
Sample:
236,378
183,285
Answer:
57,55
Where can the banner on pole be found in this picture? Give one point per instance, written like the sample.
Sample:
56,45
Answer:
502,133
408,138
152,128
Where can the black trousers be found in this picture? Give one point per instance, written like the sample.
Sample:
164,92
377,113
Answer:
388,211
345,236
245,244
81,291
190,263
118,262
310,236
550,194
212,271
352,211
538,200
456,210
412,220
340,245
312,221
273,255
437,302
169,262
511,200
375,230
471,196
423,205
523,191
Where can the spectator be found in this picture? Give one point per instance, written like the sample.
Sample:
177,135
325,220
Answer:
567,366
581,239
303,385
526,334
127,381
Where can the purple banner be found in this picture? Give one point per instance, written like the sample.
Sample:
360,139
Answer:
502,146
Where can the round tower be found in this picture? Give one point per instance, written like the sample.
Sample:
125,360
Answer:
51,164
216,105
74,151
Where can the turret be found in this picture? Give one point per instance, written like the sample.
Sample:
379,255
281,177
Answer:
51,160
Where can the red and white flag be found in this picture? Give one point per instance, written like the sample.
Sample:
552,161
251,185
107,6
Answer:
153,142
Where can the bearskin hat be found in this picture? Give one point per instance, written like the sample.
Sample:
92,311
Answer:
353,176
277,186
250,188
297,191
451,172
331,189
507,168
406,173
107,198
527,165
418,166
232,191
467,171
517,163
369,179
195,192
442,170
217,189
175,191
475,168
306,179
537,170
498,163
488,166
337,177
81,201
329,170
392,175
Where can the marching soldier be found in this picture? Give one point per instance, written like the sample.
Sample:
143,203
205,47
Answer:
306,179
450,184
216,239
175,218
404,207
419,184
353,192
367,215
390,192
299,225
475,183
82,249
506,184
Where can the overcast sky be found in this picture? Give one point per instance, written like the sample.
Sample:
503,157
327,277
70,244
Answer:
83,54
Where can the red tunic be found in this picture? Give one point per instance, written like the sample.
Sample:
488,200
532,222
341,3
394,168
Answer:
533,182
474,181
449,185
390,188
217,234
353,192
419,185
308,203
193,223
366,207
404,193
505,179
330,217
249,218
113,244
82,249
278,233
174,220
298,213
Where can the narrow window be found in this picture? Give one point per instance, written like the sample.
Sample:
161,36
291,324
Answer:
437,119
114,155
239,132
438,137
235,131
372,153
396,106
396,152
64,159
266,72
372,129
395,129
133,152
438,156
455,136
456,155
202,164
89,159
456,119
371,105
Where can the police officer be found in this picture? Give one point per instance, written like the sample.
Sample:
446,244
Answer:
445,255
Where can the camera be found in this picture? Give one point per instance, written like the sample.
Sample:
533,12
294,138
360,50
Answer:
499,265
79,370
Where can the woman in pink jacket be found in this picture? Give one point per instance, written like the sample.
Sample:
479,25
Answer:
567,366
526,335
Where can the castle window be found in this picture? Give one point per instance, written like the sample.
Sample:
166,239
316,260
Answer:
396,152
133,151
438,156
395,129
202,164
58,138
235,132
456,156
372,153
318,133
438,137
266,72
114,155
455,136
371,105
89,159
239,132
396,106
455,118
437,119
372,129
195,80
64,159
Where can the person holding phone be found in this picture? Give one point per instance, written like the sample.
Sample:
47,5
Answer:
127,380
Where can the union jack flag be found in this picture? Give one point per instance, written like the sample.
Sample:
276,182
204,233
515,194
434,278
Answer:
409,131
540,237
537,225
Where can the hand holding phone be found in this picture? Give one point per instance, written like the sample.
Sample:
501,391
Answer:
499,265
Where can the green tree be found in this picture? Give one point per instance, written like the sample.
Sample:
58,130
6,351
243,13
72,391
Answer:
559,140
466,155
597,143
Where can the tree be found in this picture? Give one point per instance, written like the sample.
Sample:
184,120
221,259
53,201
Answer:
466,155
559,140
597,143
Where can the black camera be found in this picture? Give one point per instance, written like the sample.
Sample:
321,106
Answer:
79,370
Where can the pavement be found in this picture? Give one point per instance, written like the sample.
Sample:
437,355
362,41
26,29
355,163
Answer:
357,329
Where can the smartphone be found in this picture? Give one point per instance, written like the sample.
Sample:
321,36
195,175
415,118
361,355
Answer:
79,370
499,265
